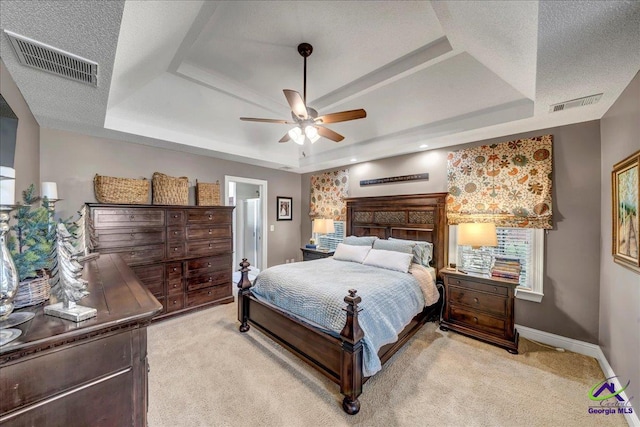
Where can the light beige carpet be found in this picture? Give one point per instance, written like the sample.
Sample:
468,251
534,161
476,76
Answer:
206,373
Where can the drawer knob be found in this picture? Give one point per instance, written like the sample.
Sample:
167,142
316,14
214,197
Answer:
475,319
209,293
208,264
457,282
476,300
175,216
209,244
175,233
132,253
175,269
495,289
133,235
210,231
210,216
175,249
132,217
211,279
175,285
175,302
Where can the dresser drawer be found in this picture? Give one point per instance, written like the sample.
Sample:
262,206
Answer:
476,320
175,302
206,295
175,250
485,287
206,280
126,237
22,383
175,217
208,247
128,217
136,255
209,216
175,233
152,276
175,284
204,231
200,266
493,304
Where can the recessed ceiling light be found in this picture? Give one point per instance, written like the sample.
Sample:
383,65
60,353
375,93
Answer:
354,160
424,146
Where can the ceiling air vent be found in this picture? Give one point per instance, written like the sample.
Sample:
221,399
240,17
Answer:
580,102
52,60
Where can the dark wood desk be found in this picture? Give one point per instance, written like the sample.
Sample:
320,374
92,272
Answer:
62,373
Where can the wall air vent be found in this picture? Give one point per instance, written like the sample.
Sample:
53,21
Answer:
580,102
52,60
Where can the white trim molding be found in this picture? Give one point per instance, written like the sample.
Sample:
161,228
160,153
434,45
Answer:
580,347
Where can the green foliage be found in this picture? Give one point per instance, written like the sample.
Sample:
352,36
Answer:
32,241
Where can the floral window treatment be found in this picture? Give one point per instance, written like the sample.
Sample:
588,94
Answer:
507,183
328,191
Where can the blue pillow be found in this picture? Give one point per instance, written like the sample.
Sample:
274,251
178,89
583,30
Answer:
393,245
422,251
360,241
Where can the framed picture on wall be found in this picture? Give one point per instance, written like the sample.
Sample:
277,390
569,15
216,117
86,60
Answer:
285,208
625,186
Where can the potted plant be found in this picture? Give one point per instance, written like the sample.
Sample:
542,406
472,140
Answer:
31,246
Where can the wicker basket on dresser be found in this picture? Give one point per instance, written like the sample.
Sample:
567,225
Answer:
183,254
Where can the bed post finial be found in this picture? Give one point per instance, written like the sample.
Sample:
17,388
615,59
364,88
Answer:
351,363
243,295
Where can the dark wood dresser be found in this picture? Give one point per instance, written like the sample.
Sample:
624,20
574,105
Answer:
183,254
481,307
62,373
311,254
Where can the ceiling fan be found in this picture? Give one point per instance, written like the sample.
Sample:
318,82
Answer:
308,123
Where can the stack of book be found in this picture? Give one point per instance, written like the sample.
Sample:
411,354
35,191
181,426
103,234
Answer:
506,268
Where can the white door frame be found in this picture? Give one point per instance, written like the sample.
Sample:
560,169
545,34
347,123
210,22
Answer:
263,207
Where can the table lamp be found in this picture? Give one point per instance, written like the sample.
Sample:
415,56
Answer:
478,236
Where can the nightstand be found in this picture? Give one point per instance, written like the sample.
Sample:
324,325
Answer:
480,307
311,254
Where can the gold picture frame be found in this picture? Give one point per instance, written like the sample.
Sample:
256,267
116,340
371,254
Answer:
625,191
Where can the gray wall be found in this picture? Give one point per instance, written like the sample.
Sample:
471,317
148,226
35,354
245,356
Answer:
571,287
27,156
72,160
619,286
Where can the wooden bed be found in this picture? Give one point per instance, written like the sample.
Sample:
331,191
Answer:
414,217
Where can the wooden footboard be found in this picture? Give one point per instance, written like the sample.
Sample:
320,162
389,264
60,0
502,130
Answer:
339,359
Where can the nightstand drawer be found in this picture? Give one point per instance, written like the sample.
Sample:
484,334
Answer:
484,287
475,320
493,304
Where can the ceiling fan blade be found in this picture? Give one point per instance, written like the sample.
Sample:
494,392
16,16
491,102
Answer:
252,119
285,138
329,134
342,116
296,103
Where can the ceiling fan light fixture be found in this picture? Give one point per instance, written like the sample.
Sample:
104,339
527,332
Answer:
295,133
299,140
312,133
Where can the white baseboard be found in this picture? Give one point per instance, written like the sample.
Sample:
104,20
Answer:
580,347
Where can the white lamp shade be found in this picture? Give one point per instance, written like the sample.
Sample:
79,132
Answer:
312,133
323,226
477,234
49,190
7,191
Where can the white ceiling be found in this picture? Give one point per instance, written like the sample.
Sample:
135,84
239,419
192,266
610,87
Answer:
179,74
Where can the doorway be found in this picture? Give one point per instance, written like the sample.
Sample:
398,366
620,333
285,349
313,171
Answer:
249,196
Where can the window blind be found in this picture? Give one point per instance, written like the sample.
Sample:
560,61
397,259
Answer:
512,242
331,240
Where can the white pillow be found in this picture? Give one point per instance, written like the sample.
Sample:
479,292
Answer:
351,253
391,260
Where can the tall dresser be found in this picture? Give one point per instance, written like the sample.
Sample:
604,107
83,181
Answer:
183,254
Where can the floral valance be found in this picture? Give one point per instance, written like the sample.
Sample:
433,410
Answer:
328,191
508,184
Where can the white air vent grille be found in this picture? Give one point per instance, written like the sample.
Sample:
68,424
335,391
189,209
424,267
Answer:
580,102
52,60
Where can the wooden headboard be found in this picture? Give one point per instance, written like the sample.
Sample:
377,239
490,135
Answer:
413,217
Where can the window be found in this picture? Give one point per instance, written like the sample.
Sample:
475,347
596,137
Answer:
526,244
331,240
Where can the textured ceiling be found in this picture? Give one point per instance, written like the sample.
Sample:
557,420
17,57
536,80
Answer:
179,74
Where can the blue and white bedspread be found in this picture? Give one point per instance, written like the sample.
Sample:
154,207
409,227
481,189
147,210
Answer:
315,291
